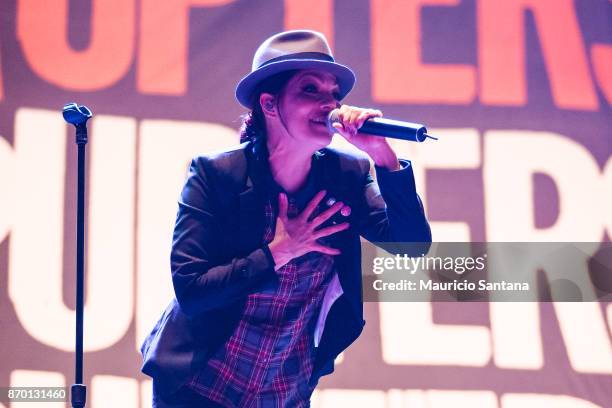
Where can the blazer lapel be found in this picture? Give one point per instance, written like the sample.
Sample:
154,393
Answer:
251,219
332,181
251,215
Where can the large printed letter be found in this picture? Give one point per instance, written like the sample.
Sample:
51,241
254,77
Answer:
509,213
162,55
398,75
320,17
7,187
514,351
511,400
501,48
601,55
114,391
42,28
409,336
511,160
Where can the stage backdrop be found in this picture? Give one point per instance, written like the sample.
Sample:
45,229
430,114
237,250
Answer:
518,91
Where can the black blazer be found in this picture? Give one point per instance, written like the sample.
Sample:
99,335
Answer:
218,256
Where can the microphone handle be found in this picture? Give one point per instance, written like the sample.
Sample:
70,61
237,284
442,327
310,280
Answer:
397,129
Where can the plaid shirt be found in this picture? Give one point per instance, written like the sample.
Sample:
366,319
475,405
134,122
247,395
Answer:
267,362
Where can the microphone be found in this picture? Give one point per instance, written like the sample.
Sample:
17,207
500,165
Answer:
397,129
76,114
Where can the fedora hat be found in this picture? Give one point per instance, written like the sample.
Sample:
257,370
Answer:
290,50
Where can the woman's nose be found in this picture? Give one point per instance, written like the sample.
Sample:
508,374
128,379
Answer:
330,104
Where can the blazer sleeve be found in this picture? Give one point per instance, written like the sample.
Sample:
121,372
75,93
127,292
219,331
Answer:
391,208
201,281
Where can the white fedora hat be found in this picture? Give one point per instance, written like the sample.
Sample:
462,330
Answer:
291,50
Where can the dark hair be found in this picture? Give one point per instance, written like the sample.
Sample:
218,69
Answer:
253,122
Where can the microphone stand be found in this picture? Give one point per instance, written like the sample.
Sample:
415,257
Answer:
78,116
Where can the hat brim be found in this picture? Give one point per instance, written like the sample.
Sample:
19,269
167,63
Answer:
247,85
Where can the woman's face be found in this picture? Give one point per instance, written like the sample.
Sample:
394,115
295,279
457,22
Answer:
304,103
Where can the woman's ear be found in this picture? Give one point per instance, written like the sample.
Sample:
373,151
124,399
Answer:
267,103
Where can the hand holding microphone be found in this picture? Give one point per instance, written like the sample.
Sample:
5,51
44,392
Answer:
370,121
366,130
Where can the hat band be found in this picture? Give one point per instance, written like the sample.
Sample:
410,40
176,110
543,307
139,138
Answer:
298,56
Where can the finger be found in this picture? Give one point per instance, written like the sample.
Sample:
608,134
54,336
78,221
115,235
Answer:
373,112
282,206
345,115
355,116
367,114
326,250
325,215
351,121
343,110
324,232
307,212
343,131
363,116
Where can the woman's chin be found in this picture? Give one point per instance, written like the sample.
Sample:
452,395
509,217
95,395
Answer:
321,133
322,139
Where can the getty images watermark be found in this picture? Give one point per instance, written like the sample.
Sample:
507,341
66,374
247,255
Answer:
458,265
487,272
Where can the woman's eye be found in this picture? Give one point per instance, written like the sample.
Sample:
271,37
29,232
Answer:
310,88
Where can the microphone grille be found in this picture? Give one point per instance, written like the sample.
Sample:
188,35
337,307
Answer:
333,117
